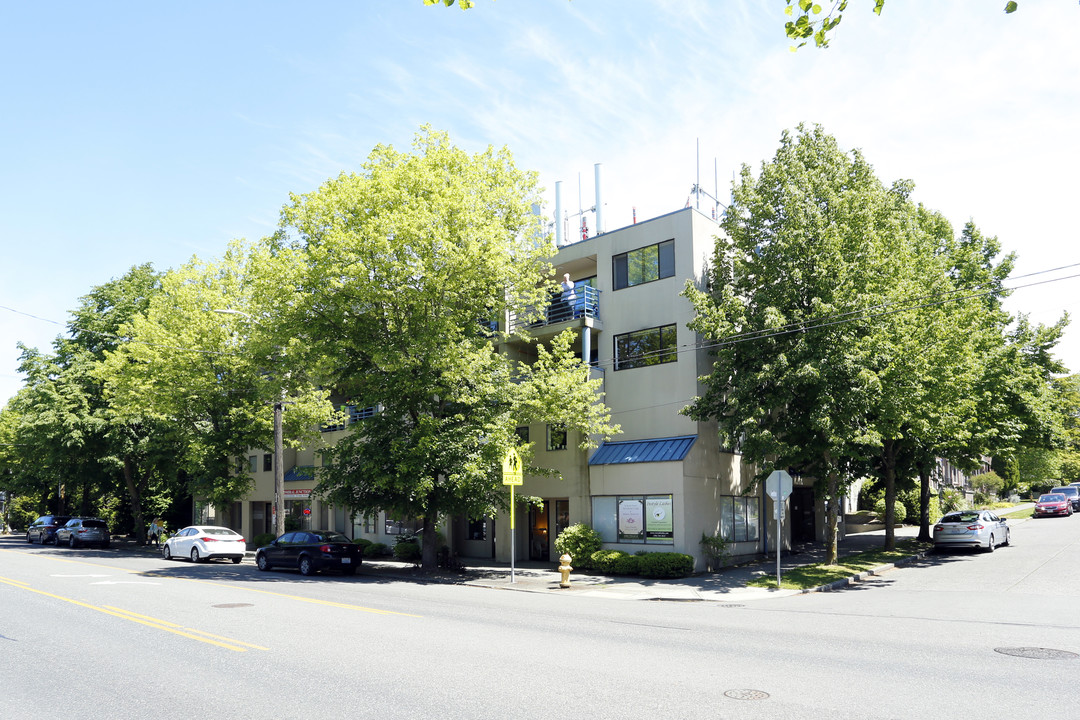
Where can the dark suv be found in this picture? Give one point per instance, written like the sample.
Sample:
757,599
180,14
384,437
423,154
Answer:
1072,493
84,531
43,530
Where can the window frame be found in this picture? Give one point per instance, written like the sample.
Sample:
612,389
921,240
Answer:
622,263
607,518
662,356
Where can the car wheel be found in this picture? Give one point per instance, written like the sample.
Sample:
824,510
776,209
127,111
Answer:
28,539
236,561
1008,537
990,545
71,542
166,552
306,567
262,563
195,555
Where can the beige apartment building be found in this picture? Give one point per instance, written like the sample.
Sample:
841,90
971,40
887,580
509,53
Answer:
659,485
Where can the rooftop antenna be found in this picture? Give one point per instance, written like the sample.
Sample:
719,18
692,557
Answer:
697,191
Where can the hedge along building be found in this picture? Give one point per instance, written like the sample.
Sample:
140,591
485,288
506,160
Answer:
658,486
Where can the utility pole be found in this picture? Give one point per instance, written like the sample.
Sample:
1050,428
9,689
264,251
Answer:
279,471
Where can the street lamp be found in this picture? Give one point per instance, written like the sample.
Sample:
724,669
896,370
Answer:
279,445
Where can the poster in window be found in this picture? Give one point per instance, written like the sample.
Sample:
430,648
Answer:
658,518
631,517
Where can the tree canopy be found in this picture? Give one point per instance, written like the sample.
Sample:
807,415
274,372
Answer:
395,274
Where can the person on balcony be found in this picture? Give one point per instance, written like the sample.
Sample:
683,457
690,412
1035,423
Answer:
569,298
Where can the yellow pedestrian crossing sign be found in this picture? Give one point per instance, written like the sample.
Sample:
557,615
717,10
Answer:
511,469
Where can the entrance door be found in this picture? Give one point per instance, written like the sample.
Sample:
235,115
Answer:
538,534
802,515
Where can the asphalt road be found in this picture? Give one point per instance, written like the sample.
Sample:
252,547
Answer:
107,634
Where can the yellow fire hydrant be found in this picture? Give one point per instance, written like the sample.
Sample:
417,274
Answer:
565,569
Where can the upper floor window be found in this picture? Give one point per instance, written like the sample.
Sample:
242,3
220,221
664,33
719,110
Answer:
644,264
268,462
646,347
556,437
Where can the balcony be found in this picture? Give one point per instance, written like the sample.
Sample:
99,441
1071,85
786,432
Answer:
583,311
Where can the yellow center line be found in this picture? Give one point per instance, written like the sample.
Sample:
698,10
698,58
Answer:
157,574
124,616
169,624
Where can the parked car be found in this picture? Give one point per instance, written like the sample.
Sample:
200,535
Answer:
310,551
972,528
1050,504
43,530
83,531
1071,492
205,542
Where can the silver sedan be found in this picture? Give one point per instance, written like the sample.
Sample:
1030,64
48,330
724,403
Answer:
972,528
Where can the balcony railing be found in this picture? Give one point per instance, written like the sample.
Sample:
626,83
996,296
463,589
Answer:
585,304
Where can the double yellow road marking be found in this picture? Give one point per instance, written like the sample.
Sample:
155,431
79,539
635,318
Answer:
205,637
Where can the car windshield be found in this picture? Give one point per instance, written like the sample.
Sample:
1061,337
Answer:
960,517
1052,498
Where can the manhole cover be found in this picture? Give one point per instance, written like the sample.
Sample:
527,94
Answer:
1037,653
746,694
233,605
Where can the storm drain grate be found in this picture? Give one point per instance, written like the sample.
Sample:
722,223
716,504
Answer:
1037,653
233,605
746,694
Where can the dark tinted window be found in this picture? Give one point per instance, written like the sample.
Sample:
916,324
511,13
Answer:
95,524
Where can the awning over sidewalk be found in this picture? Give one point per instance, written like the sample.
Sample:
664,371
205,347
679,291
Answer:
638,451
298,473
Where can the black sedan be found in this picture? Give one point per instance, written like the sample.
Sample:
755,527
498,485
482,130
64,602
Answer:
310,551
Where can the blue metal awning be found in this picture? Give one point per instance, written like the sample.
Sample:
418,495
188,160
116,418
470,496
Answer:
299,473
670,449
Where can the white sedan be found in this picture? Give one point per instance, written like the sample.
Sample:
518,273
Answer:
205,542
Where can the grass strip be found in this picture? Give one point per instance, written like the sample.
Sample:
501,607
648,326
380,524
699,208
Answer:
811,576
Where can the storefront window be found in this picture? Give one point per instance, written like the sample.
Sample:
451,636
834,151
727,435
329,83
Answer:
634,518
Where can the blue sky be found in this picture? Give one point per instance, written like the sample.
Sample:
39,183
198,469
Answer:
139,132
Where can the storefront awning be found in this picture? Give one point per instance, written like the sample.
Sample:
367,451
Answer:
298,473
638,451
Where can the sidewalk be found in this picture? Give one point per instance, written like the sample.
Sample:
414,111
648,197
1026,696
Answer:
728,586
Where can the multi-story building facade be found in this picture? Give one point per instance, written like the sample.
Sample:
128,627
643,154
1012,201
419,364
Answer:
658,486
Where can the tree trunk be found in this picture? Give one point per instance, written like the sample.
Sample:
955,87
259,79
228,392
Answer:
888,468
429,551
924,502
833,501
136,501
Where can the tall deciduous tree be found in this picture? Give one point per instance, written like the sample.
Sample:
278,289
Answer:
395,272
806,259
212,376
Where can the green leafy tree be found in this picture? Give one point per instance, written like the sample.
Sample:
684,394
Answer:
792,290
213,377
809,20
393,270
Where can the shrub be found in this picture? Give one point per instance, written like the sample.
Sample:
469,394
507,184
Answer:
615,562
666,565
716,550
377,550
22,511
579,542
951,500
364,543
899,511
263,539
407,552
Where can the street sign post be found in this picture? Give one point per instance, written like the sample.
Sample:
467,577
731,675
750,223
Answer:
512,476
778,487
